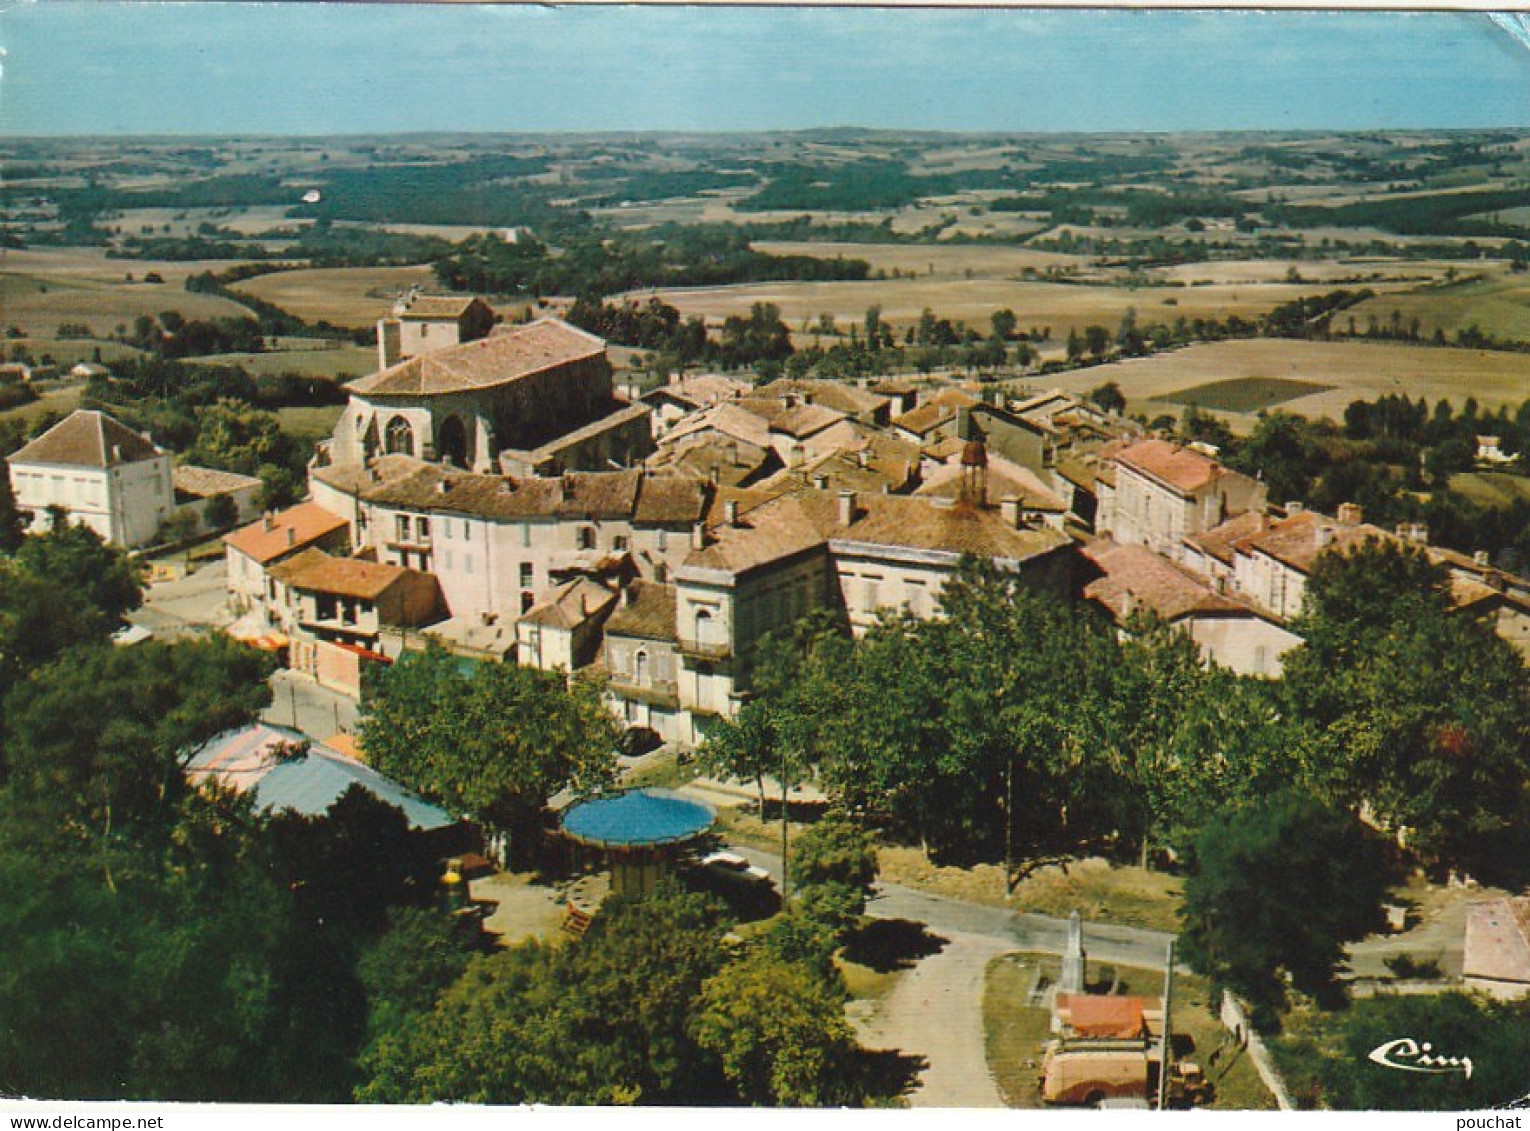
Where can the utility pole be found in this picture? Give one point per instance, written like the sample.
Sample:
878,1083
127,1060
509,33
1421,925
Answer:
786,877
1168,1030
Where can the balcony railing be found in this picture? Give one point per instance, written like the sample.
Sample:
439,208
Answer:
705,649
657,692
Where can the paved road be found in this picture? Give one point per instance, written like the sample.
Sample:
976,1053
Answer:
299,702
1104,942
187,605
935,1011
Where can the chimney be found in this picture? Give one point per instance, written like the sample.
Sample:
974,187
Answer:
794,456
291,536
270,520
389,349
820,482
1009,511
443,486
846,508
732,450
1482,558
629,596
1322,535
863,457
1294,508
1350,514
698,536
730,511
116,453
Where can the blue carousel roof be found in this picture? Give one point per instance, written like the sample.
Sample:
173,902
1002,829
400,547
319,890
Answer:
637,818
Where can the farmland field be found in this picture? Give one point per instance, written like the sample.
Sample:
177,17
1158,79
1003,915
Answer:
1491,488
38,305
1063,307
309,423
345,361
1351,370
1498,304
929,261
345,296
1245,394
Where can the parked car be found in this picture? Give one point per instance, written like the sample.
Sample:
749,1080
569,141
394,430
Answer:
733,868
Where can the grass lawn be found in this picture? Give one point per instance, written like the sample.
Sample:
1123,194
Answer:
309,423
1491,488
1095,888
1014,1029
663,769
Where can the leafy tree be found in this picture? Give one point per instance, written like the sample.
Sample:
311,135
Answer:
72,557
1109,397
99,736
603,1022
780,1033
350,866
222,512
1495,1037
835,850
1284,449
1423,709
1278,887
13,523
497,743
404,970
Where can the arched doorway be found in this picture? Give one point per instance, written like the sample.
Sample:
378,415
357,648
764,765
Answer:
399,437
452,441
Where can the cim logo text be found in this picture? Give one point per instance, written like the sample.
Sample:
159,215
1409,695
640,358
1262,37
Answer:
1407,1055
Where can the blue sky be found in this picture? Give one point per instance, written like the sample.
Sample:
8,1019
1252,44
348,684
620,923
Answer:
93,66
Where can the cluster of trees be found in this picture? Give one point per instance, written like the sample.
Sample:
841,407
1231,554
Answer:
1018,728
160,941
1396,457
603,263
652,1006
173,336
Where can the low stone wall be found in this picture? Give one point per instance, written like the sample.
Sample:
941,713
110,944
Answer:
1236,1021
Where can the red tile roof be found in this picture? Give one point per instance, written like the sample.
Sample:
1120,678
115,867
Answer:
275,536
1134,577
1180,468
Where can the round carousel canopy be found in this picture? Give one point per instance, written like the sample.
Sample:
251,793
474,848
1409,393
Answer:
637,818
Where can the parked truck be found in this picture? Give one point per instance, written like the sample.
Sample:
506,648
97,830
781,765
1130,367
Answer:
1089,1072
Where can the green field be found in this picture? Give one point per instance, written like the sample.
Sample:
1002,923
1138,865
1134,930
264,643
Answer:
1497,302
1245,394
341,361
1491,488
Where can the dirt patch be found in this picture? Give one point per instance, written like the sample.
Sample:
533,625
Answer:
523,909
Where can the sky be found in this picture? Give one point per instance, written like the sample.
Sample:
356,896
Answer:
103,67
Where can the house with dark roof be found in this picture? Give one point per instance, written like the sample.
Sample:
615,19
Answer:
1231,630
101,472
642,659
763,566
